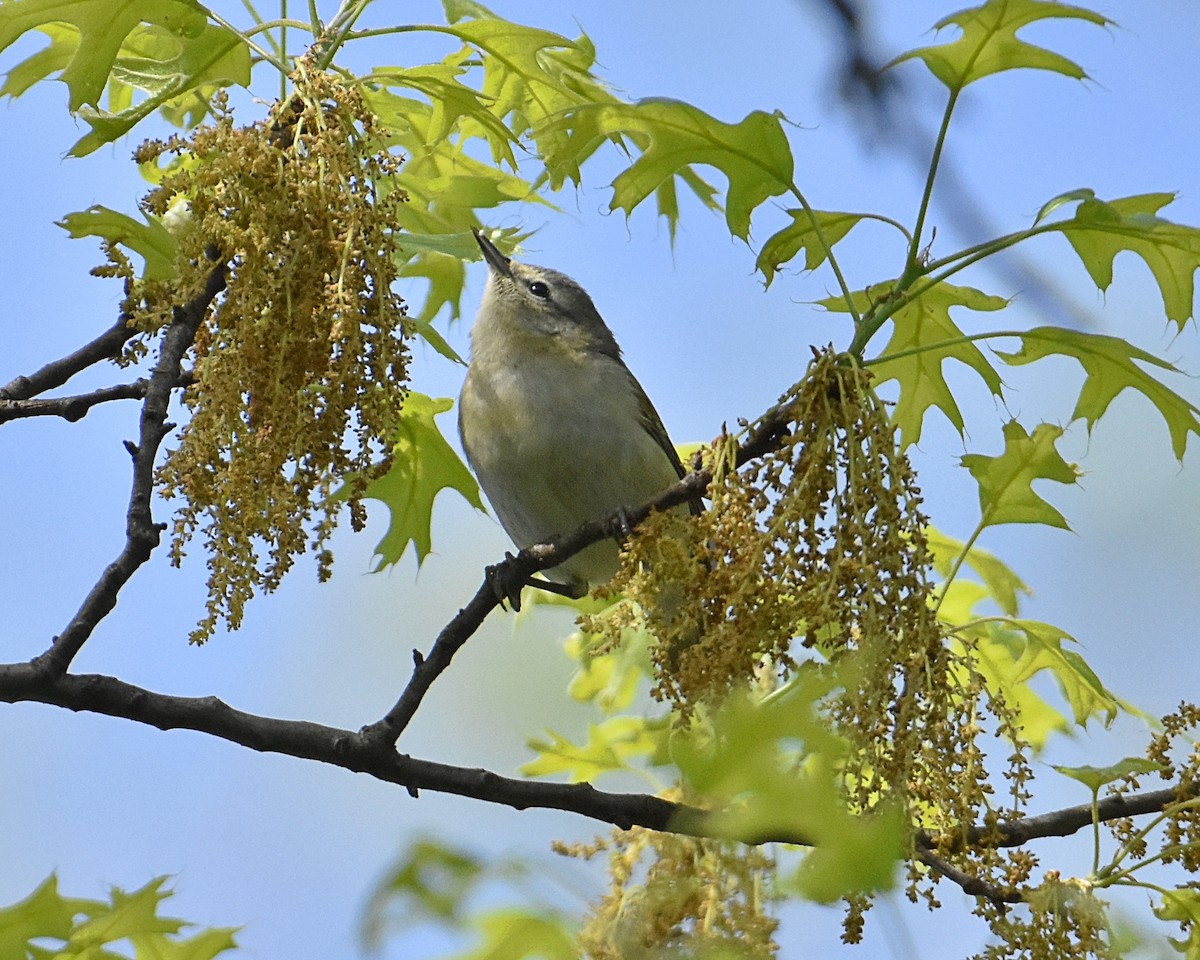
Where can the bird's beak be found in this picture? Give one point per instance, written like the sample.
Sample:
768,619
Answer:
495,259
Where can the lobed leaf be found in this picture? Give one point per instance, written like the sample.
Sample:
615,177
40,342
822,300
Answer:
997,655
103,27
1096,777
610,746
1006,493
669,137
1001,583
529,74
150,240
84,928
989,43
802,234
1043,650
1100,230
1111,364
923,337
179,76
424,465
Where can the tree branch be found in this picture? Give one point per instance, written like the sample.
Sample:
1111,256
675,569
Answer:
57,372
360,753
72,408
141,532
973,886
766,435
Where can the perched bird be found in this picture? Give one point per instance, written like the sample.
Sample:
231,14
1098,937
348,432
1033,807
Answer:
556,428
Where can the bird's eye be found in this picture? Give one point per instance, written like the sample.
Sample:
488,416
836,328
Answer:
539,290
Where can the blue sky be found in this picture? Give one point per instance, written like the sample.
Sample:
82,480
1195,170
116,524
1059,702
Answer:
288,848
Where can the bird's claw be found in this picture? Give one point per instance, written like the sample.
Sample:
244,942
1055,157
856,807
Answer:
506,587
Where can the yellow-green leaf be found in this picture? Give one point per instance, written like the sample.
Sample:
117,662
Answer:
177,74
425,464
1096,777
670,137
1111,365
923,337
149,240
1001,582
1100,230
1182,905
103,27
989,43
517,935
1082,689
802,234
610,746
1006,493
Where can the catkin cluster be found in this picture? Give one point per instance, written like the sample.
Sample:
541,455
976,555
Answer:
299,368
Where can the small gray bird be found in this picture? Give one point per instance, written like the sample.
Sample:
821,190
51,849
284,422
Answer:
554,425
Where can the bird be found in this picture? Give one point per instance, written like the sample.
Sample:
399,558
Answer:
556,428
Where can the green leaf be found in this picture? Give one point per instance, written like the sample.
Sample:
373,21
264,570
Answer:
609,680
747,769
103,26
923,337
1096,777
1043,651
1182,905
150,240
451,102
1006,492
517,935
430,881
670,137
989,42
997,654
1111,365
802,235
529,74
1100,230
610,746
1002,583
83,928
178,75
45,913
425,464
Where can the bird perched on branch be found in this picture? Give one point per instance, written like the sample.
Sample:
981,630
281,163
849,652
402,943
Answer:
556,428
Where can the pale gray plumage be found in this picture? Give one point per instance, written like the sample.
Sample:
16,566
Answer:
554,425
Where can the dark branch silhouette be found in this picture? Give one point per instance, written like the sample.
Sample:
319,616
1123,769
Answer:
141,532
54,374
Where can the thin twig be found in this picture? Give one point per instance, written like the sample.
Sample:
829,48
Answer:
54,374
974,886
71,408
141,532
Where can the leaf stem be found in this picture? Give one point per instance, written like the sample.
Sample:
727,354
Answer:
828,248
276,61
914,250
960,560
943,344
